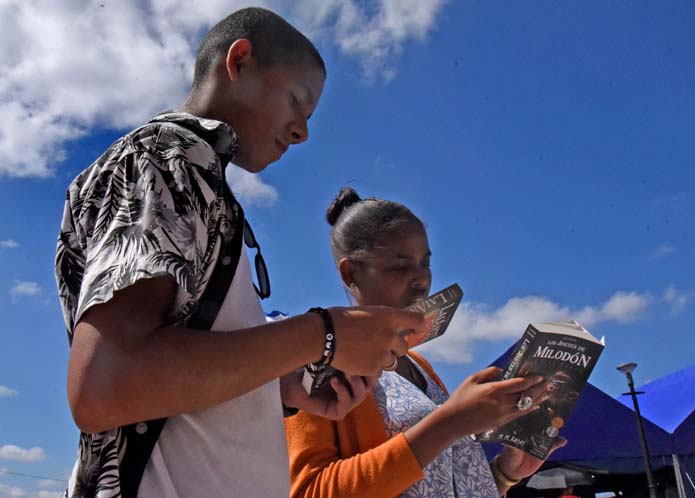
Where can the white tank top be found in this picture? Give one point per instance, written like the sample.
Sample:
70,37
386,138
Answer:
235,449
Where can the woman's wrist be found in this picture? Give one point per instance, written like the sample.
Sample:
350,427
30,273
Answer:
503,480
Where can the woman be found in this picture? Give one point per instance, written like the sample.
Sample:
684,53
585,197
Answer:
409,437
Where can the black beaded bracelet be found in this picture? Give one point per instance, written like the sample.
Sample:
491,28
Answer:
329,345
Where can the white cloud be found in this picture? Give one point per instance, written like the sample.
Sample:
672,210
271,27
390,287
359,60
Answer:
372,32
6,392
50,484
3,471
478,322
48,494
12,492
676,299
12,452
8,244
25,288
71,66
663,251
623,307
249,188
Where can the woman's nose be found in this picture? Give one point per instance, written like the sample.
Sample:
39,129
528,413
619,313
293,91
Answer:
421,278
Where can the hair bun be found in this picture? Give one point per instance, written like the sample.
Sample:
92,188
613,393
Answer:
345,198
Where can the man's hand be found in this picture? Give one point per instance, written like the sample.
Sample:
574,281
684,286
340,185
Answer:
348,392
369,338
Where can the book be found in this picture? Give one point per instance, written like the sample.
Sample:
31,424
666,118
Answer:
564,353
439,309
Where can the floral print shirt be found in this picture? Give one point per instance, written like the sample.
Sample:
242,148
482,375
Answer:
460,471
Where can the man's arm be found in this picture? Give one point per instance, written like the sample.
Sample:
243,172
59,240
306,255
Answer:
126,366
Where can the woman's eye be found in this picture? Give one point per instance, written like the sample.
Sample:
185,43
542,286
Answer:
400,269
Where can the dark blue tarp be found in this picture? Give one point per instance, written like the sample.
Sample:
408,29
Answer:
669,402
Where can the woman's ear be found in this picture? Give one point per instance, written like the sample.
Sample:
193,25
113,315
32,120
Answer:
346,267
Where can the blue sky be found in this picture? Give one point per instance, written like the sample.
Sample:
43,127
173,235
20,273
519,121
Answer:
546,145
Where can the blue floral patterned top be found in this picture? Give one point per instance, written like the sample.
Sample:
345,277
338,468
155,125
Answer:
461,471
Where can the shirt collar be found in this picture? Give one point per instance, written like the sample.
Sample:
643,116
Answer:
221,137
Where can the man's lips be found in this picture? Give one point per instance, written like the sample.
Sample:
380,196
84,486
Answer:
282,147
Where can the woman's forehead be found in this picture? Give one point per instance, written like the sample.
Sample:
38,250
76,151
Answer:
405,242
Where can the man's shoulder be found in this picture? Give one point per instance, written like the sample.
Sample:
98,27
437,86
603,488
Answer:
154,144
166,139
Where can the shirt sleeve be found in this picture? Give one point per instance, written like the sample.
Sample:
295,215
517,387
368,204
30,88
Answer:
317,469
147,217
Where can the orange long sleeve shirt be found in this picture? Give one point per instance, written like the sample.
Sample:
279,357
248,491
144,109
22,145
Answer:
351,457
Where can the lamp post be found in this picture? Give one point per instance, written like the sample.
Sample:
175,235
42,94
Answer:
627,369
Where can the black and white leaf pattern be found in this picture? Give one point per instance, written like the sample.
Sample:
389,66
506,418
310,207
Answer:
153,204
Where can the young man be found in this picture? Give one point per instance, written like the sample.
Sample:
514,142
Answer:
173,372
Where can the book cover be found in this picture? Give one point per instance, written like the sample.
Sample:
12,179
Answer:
439,309
564,353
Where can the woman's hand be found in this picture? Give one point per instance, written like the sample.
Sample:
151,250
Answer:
348,392
517,464
482,402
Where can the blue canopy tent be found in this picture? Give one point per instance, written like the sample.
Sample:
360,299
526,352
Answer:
669,402
602,435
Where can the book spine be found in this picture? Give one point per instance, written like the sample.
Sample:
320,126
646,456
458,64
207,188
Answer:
521,353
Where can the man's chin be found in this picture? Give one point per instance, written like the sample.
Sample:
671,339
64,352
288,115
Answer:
251,166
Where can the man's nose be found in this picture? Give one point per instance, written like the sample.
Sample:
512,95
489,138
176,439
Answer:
299,132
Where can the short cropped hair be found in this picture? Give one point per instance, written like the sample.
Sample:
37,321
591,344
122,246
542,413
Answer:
274,41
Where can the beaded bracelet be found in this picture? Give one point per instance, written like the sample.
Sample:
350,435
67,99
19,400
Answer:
329,346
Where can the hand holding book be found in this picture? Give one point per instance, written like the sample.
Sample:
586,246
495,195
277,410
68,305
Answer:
438,310
564,353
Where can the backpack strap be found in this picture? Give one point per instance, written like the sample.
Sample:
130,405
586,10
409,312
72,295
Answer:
140,438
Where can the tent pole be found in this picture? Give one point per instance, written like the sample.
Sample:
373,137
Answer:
679,476
692,484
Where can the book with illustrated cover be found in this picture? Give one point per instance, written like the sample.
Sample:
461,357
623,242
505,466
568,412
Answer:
439,309
564,353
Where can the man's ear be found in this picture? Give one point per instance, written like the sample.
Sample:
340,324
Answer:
238,56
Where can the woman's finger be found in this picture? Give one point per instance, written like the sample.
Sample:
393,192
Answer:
487,375
518,384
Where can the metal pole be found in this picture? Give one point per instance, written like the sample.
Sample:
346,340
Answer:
643,438
679,477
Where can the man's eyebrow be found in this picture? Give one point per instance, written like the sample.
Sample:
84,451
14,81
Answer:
309,95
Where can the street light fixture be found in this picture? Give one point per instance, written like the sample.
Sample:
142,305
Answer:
627,369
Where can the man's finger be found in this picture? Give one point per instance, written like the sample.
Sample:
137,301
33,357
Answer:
370,381
343,399
399,347
357,386
404,320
